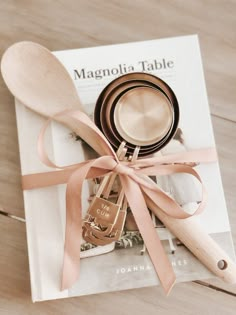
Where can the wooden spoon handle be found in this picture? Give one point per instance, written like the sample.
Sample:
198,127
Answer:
86,133
199,243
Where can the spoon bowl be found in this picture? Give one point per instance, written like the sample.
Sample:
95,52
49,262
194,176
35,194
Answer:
39,81
37,78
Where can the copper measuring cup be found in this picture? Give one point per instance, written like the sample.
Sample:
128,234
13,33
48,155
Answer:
114,93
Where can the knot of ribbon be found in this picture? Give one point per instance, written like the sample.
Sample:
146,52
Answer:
123,169
134,180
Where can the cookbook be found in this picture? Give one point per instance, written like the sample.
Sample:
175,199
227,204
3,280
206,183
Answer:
125,263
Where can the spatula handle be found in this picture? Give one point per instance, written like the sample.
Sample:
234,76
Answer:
195,238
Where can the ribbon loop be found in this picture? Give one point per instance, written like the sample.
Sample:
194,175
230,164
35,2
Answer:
123,169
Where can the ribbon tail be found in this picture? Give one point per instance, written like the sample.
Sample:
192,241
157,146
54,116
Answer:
73,231
143,220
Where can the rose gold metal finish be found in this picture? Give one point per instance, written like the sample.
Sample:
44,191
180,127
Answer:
110,112
143,116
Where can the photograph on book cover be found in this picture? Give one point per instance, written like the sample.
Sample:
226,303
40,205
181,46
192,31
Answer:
125,263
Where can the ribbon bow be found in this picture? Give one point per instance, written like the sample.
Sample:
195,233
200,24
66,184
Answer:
133,177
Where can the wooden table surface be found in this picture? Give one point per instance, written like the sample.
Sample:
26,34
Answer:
76,23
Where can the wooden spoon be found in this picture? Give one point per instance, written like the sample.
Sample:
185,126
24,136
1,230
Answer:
38,79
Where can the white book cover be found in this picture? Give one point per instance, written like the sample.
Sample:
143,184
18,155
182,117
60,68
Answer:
122,264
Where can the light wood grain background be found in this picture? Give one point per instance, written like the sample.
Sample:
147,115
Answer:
79,23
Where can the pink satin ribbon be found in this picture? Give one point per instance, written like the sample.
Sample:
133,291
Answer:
132,176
